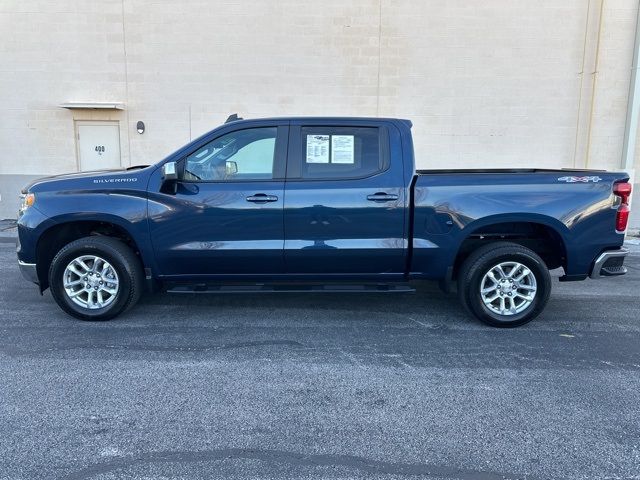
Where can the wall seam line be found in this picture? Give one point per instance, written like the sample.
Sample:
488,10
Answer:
126,85
379,56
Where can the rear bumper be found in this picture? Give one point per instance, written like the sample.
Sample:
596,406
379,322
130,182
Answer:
29,271
609,264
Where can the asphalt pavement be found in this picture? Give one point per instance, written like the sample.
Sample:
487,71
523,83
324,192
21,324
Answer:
321,386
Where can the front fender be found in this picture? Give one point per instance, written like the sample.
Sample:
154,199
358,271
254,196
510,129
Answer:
125,209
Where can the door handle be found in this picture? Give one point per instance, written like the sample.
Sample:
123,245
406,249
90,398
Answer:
262,198
382,197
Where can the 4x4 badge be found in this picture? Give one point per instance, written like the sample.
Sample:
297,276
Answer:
573,179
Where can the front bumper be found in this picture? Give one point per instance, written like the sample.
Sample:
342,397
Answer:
610,264
29,271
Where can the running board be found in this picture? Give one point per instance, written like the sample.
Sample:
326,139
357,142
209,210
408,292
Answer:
292,288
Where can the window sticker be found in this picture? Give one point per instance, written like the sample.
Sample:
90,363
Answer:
342,149
317,148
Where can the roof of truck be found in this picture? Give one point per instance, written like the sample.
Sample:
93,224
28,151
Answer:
328,120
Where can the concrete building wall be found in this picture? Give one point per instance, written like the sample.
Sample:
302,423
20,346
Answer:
491,83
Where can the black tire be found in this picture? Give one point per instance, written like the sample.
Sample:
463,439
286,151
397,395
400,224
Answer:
122,259
481,261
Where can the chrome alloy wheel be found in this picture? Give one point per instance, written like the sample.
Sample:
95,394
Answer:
508,288
90,282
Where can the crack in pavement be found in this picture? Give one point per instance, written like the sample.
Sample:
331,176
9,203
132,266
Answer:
362,464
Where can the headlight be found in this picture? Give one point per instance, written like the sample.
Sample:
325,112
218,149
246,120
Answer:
26,201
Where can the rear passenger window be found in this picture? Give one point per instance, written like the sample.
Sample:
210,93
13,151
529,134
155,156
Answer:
341,152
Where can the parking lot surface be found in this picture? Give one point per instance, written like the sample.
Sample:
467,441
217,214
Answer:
321,386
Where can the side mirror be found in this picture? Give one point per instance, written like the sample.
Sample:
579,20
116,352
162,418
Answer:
232,167
169,178
169,172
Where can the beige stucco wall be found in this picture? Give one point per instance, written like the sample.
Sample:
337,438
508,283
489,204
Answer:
491,83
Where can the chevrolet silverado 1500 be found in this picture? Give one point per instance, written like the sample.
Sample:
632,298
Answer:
318,204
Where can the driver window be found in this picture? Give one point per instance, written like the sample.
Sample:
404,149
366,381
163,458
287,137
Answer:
242,155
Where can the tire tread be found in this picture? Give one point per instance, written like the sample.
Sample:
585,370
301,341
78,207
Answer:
478,260
114,247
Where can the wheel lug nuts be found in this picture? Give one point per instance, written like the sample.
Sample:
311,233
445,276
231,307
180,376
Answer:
101,282
95,288
85,279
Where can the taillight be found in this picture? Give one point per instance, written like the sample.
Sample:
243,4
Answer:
622,217
622,190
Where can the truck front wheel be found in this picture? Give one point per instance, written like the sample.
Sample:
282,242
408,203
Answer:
96,278
504,284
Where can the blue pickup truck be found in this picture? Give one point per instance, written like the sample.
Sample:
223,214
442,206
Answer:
318,204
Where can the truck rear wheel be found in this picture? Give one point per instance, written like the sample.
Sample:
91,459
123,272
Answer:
504,284
96,278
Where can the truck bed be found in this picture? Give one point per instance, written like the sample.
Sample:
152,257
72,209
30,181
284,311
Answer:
503,170
450,206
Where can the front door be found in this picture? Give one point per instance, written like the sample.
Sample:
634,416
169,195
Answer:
345,204
98,145
225,218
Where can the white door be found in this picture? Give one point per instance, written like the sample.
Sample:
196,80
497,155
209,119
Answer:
98,145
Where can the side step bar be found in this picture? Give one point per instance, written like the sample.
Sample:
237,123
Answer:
292,288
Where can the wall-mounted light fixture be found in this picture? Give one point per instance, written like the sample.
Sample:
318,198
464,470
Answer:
140,127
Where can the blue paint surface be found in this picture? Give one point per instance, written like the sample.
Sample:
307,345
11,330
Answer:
325,229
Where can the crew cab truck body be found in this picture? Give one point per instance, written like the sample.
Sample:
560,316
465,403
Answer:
318,204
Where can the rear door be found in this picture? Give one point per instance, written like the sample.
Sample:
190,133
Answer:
344,210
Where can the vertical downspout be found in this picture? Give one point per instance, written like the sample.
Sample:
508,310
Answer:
594,85
584,57
633,105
